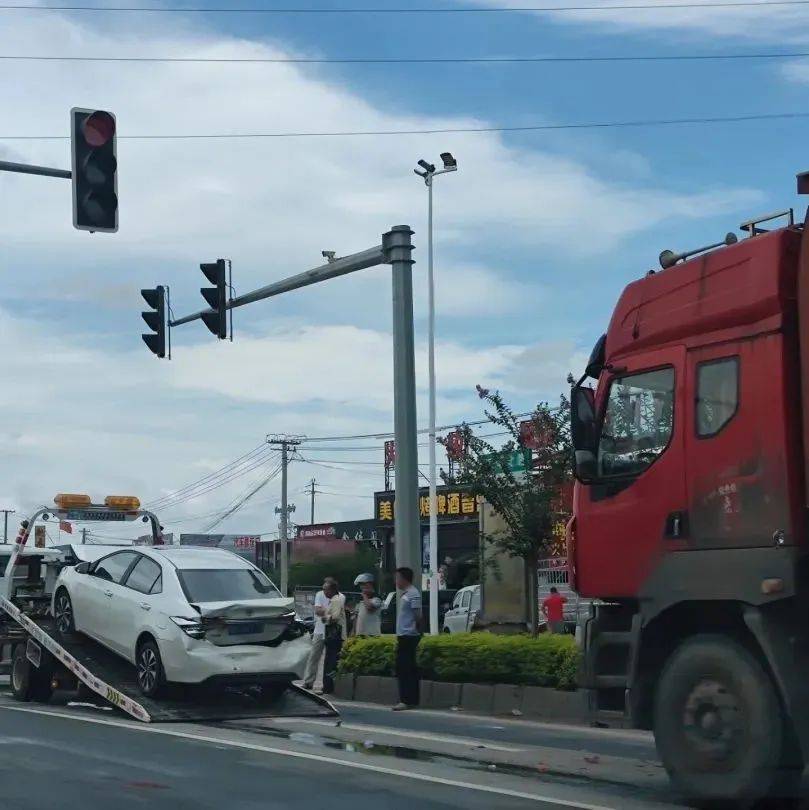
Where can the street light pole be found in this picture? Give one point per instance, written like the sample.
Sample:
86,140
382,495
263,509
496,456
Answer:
428,174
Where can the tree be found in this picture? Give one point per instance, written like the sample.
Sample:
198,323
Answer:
530,504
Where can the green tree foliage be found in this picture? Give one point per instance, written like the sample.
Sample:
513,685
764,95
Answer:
529,504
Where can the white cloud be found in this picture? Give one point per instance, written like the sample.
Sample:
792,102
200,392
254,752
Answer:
774,23
90,416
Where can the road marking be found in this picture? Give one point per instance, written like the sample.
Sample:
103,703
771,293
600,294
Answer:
348,763
420,735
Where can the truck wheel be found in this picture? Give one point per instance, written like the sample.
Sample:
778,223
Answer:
151,676
21,675
717,722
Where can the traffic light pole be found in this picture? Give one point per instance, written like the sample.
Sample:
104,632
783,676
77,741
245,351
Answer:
395,250
27,168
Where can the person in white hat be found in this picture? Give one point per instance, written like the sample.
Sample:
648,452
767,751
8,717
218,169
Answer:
368,620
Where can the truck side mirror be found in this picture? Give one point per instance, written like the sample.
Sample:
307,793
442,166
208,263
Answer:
583,433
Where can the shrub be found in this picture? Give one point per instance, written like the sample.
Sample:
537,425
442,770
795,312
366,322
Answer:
547,660
369,656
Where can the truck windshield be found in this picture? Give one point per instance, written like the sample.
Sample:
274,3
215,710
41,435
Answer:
225,585
637,422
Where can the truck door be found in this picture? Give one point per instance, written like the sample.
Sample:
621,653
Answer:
636,507
736,446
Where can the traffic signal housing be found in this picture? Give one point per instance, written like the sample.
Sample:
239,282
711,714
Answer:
216,298
95,170
155,320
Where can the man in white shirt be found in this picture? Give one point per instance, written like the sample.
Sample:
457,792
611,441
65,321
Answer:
322,601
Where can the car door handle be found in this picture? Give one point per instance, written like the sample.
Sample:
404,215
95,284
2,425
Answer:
145,605
108,593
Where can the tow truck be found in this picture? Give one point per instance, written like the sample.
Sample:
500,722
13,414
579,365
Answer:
690,525
42,662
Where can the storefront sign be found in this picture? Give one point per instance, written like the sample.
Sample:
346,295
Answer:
452,504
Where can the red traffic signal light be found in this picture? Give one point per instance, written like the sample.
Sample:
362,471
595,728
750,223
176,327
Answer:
95,170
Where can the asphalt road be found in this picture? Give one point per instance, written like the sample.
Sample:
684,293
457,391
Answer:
59,757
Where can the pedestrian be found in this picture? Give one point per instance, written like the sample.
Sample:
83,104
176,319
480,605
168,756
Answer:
334,622
323,599
408,635
553,609
368,621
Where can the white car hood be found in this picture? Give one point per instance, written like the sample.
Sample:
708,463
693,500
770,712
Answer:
246,608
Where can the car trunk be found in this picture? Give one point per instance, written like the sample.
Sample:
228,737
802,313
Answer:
249,621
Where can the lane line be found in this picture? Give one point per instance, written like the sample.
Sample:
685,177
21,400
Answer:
409,775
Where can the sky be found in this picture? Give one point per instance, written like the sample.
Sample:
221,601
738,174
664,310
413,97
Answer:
535,235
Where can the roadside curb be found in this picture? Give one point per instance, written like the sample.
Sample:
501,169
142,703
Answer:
532,702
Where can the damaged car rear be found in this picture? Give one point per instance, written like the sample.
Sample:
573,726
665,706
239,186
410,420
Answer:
185,615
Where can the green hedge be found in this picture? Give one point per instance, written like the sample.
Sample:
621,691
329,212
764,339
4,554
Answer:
548,660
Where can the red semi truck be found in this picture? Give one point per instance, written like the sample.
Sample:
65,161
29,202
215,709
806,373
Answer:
690,532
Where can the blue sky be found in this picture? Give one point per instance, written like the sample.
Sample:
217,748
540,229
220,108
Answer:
536,234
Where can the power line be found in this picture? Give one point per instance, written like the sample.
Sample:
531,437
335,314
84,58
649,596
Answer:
395,60
196,492
242,501
251,453
400,10
648,122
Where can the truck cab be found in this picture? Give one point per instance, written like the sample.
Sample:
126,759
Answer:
689,526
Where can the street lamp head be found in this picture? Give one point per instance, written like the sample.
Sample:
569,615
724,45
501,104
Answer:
420,174
428,167
449,161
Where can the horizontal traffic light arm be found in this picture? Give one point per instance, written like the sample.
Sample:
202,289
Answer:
27,168
339,267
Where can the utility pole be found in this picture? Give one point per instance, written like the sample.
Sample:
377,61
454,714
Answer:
312,490
284,442
6,513
395,251
83,536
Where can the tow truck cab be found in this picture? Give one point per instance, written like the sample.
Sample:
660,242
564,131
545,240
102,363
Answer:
689,525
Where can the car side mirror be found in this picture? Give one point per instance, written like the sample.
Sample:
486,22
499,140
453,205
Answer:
83,568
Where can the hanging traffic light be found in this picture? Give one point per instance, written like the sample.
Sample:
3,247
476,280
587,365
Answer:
216,298
95,170
155,320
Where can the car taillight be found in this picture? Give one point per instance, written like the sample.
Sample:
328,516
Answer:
191,627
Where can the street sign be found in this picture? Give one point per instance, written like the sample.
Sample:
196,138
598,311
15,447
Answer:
516,462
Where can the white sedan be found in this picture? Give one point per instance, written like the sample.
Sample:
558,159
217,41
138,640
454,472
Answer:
184,614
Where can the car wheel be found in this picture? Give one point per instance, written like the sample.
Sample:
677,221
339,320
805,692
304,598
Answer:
151,676
63,613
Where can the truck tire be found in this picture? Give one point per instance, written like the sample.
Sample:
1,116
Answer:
150,672
718,724
21,675
27,682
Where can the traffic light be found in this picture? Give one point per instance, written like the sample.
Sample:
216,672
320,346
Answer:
216,298
95,175
155,320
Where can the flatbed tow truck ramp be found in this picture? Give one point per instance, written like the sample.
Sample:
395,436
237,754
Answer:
41,660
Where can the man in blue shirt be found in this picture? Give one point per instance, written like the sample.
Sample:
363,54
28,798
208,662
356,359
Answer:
408,635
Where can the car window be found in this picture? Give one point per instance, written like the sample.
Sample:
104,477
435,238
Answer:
143,576
476,599
113,568
223,585
456,602
466,597
637,423
158,585
717,395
